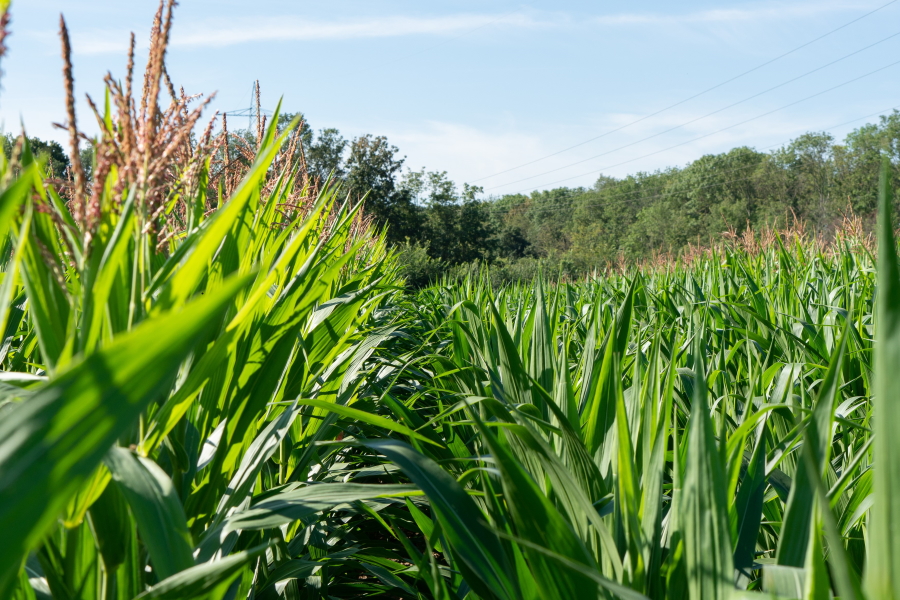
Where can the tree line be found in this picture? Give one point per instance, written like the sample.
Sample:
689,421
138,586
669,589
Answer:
439,225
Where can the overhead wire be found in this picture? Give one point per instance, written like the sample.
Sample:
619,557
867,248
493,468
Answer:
706,135
700,118
697,95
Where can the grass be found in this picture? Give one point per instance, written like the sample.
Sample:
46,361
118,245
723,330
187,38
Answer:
213,386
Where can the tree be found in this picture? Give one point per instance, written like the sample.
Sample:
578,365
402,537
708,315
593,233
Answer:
475,237
306,132
811,157
512,243
857,162
372,170
325,155
51,151
456,224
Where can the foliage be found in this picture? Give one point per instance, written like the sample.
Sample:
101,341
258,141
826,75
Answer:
373,170
454,223
645,435
230,397
196,367
167,405
417,268
51,152
812,180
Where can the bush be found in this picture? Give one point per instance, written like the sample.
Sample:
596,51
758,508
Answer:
417,267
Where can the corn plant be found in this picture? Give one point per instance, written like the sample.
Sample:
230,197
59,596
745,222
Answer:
172,374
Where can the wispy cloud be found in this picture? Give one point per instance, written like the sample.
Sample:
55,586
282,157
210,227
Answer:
760,12
220,33
216,33
92,45
296,29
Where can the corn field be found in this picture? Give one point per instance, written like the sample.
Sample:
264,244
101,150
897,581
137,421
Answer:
214,386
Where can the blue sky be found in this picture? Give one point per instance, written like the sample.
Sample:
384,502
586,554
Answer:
479,88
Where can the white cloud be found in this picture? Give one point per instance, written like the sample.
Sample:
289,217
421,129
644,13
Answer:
469,154
465,152
582,166
212,33
220,33
297,29
768,11
93,45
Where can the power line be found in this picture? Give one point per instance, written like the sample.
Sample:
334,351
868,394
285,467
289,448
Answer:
697,95
744,122
637,194
694,120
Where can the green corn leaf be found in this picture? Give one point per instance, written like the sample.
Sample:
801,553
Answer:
798,516
628,500
15,196
612,588
528,505
11,200
818,583
704,516
354,413
599,414
285,507
113,527
467,534
49,303
79,563
541,360
9,277
156,509
260,450
784,582
883,565
52,443
208,581
749,508
97,294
